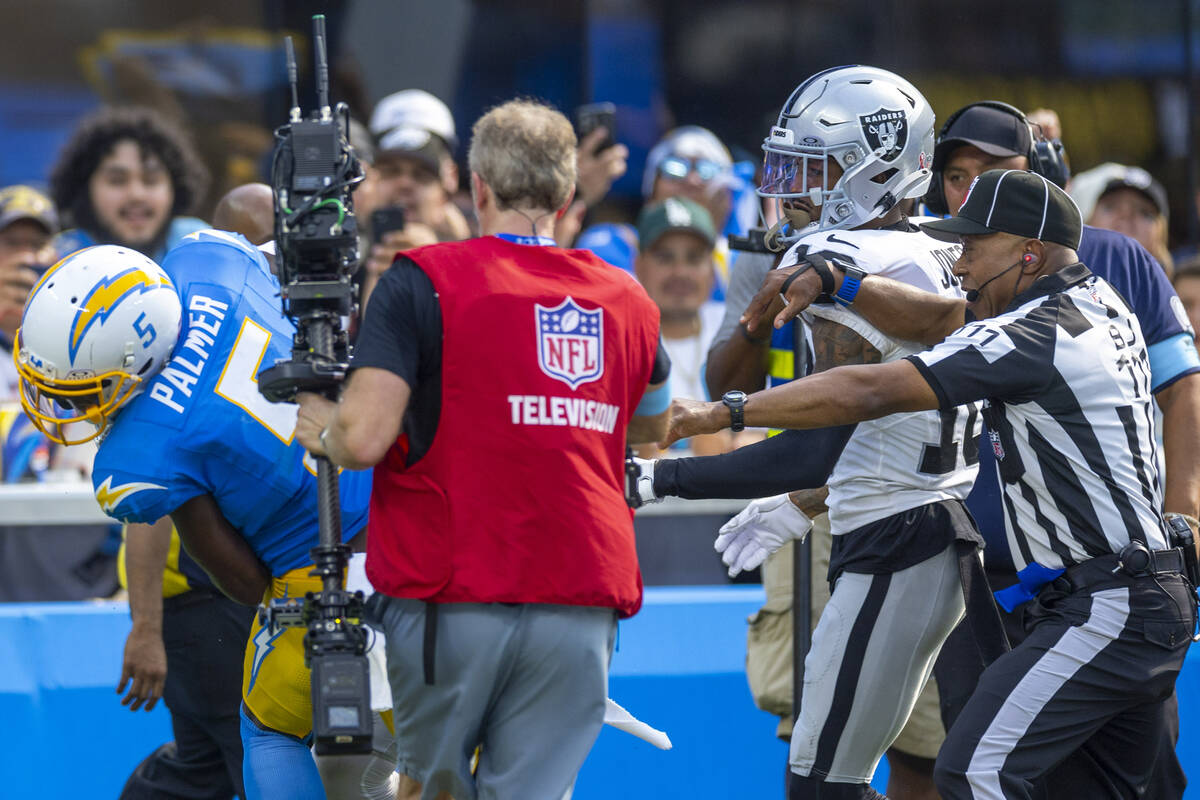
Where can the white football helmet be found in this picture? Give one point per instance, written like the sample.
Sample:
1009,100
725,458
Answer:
97,327
877,128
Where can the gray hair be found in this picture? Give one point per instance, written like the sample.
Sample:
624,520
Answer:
525,152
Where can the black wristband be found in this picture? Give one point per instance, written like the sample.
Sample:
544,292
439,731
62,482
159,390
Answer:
821,267
803,268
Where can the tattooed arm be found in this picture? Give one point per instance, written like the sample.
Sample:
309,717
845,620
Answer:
835,345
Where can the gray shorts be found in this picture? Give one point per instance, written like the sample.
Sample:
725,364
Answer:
525,683
871,654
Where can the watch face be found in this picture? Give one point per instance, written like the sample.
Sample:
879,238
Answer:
734,397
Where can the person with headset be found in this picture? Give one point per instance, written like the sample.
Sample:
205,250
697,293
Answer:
1060,360
994,135
991,135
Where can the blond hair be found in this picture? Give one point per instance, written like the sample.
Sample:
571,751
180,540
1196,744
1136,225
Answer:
525,152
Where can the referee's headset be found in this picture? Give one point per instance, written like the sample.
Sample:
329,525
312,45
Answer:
1047,157
973,294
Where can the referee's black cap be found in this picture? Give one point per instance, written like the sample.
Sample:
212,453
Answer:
1013,201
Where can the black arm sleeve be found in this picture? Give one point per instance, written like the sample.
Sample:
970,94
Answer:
785,463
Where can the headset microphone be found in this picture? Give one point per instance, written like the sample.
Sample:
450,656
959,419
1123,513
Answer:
973,294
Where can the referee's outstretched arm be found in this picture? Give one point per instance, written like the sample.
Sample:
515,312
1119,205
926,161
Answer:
840,396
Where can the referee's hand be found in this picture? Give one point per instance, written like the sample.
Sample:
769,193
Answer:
692,417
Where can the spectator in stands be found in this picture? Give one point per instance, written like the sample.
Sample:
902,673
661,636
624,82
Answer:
675,265
415,170
366,191
27,221
127,176
1046,119
38,562
1127,200
691,162
688,162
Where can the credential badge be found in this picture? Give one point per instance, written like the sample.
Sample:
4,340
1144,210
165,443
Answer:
570,342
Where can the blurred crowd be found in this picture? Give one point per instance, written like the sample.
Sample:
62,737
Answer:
131,176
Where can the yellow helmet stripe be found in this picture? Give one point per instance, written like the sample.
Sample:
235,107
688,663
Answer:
103,299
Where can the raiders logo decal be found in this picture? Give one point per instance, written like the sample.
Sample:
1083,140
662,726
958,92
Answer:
887,130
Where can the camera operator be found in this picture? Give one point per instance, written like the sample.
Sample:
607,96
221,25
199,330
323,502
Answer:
502,550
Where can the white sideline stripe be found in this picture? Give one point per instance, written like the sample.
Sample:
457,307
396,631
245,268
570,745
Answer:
1076,649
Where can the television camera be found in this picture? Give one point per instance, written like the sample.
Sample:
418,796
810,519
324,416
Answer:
313,172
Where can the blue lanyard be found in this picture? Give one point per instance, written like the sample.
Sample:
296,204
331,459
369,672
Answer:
538,241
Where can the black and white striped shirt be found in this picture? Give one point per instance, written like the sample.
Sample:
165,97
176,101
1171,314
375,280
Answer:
1066,380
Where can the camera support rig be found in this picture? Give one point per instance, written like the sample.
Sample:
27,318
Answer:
312,173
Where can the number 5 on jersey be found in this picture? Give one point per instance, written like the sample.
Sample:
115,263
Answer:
239,382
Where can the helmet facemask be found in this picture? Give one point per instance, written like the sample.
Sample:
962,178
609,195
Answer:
802,173
56,405
96,329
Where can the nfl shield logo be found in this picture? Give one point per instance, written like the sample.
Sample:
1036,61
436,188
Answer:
885,130
570,342
997,448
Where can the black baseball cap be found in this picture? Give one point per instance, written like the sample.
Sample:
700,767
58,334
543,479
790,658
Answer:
1013,201
994,129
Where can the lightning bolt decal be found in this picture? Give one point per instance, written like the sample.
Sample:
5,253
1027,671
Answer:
104,297
109,496
264,643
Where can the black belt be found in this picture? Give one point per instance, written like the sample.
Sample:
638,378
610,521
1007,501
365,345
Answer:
1104,569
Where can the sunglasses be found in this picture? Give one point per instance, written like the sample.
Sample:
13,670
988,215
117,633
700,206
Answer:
679,168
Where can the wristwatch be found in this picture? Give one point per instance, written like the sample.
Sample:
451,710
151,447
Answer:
735,401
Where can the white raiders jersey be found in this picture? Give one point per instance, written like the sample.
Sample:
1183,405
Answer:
900,461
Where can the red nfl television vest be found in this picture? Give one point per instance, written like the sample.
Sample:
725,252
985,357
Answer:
545,355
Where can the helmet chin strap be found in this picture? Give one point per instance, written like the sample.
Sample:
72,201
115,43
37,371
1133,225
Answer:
773,238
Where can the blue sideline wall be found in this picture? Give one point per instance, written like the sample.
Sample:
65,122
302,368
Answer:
678,666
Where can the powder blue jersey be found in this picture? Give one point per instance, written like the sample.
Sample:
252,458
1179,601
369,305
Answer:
201,427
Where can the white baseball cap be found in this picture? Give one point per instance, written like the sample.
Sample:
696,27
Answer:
410,111
691,142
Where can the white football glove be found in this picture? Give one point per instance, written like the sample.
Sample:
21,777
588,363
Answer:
645,481
759,530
